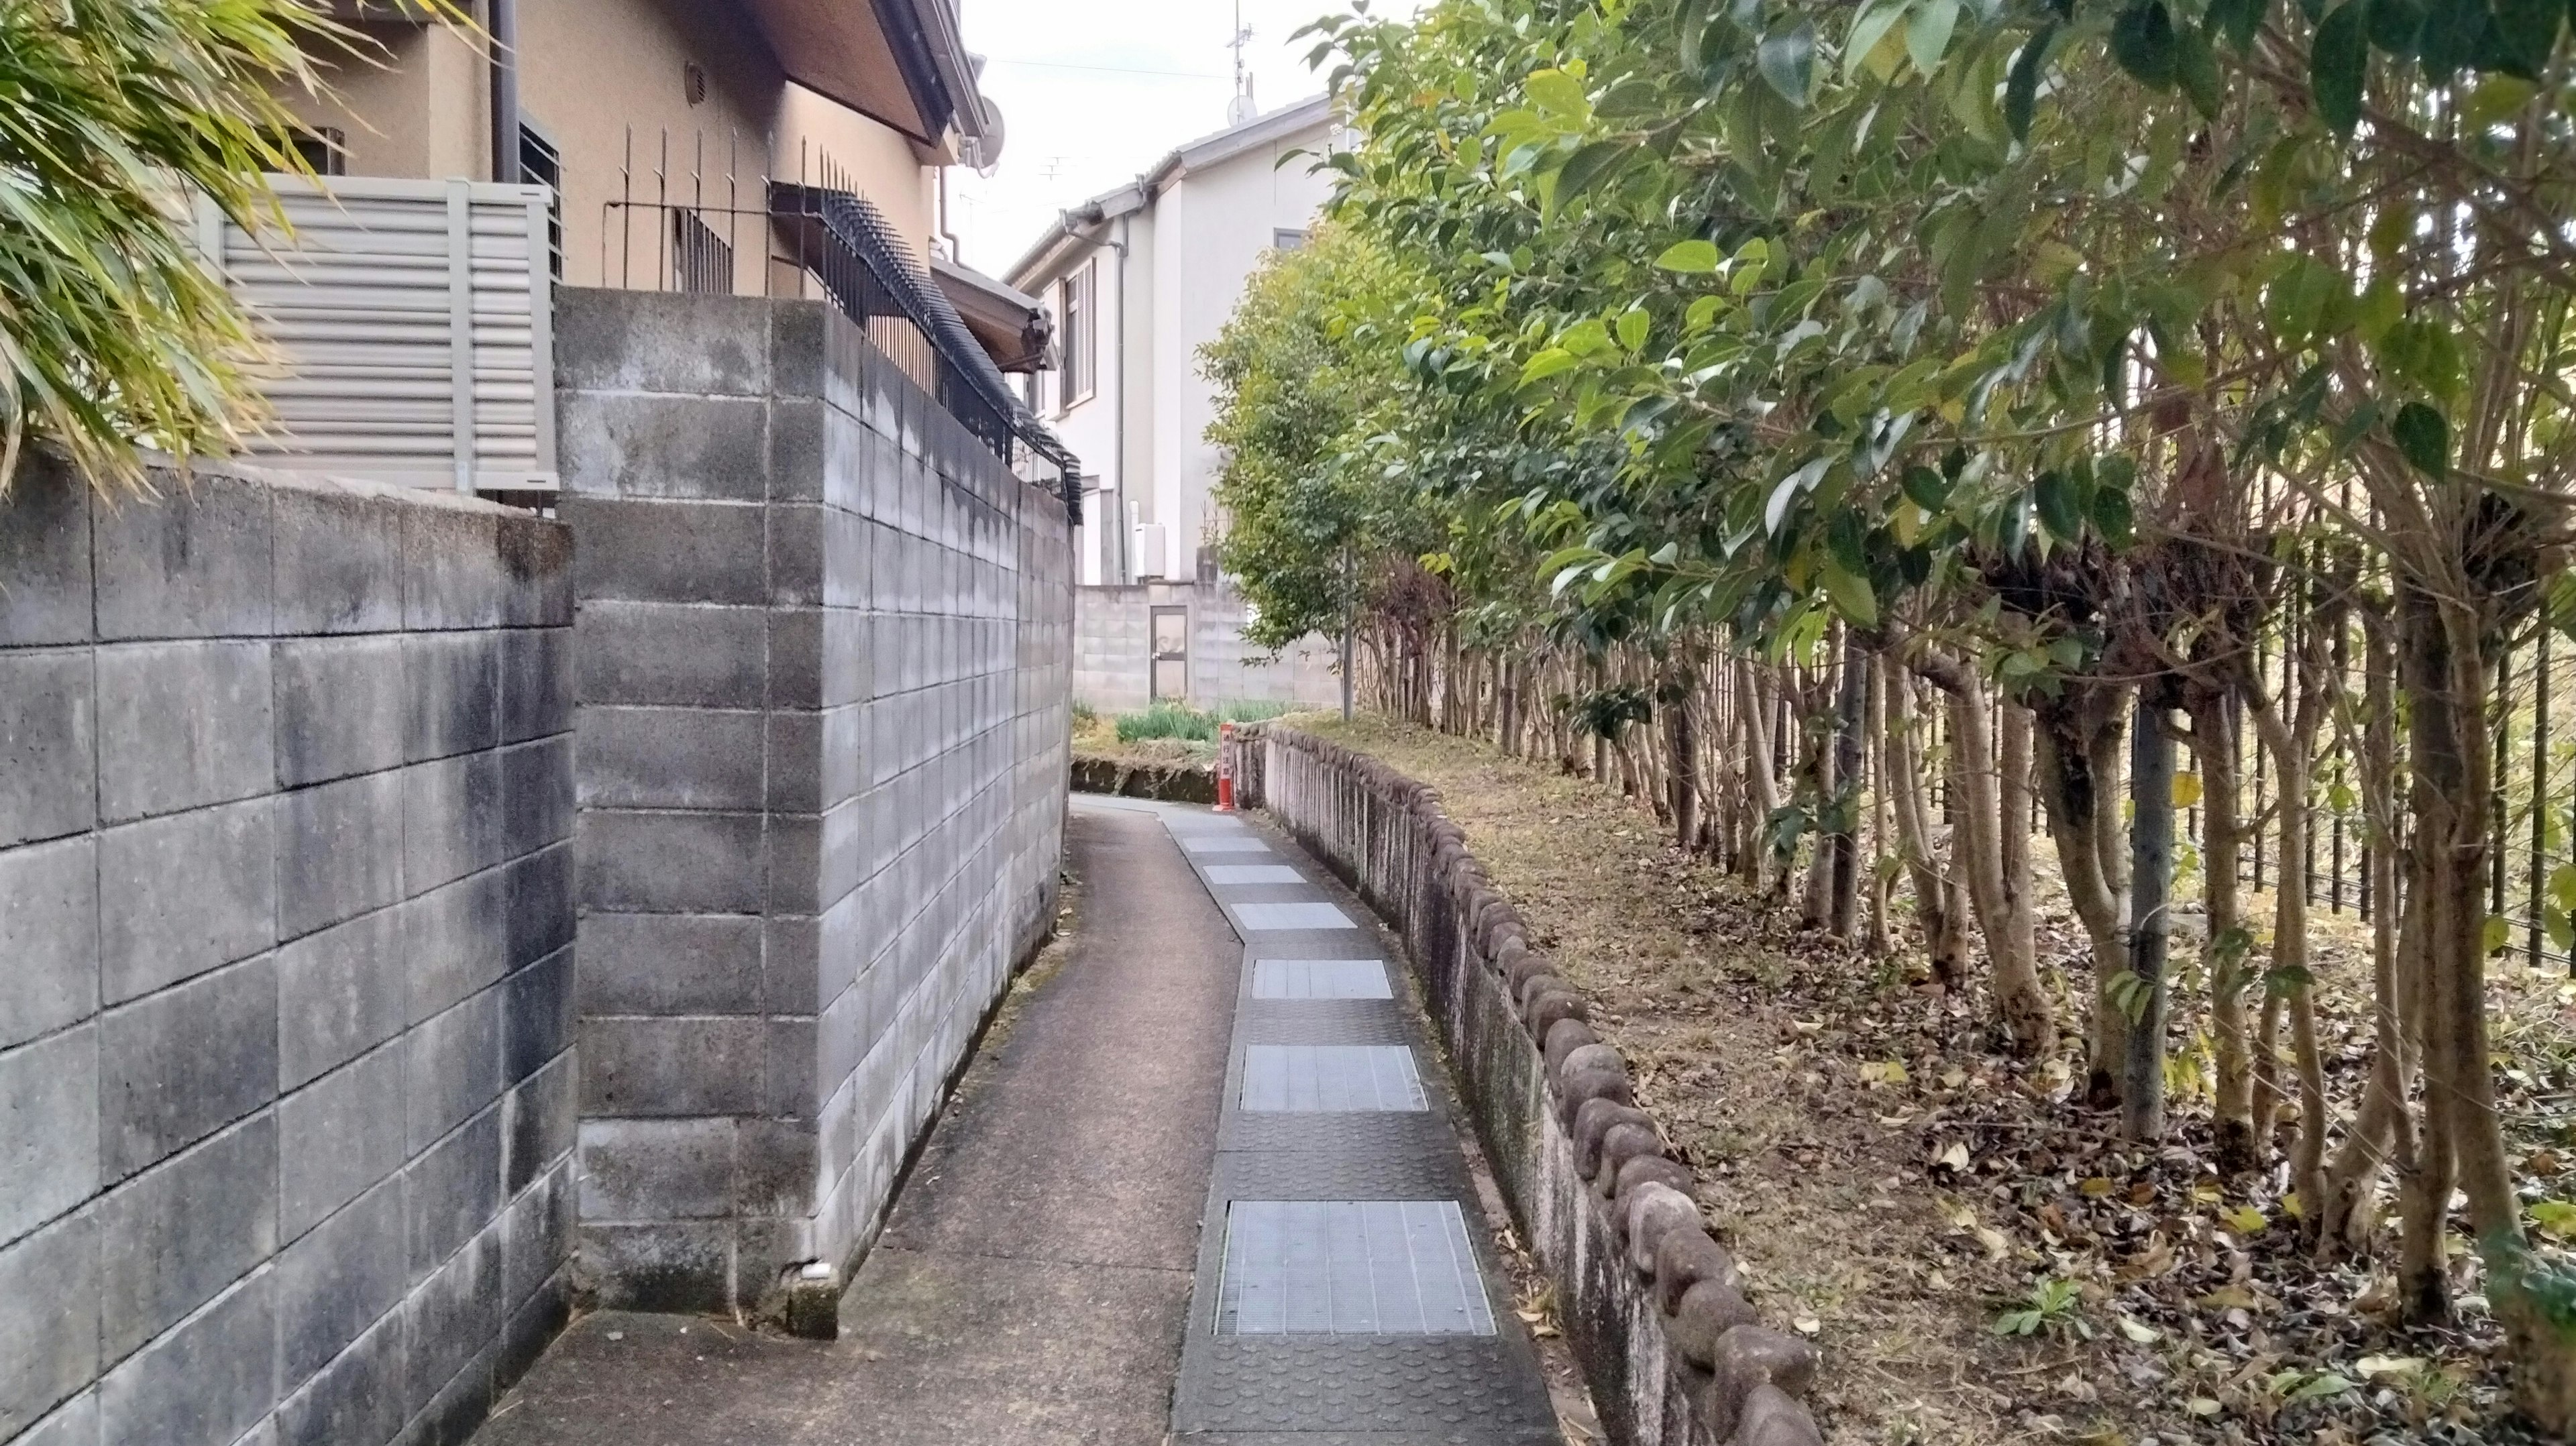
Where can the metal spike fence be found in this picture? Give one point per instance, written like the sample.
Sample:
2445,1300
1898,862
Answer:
709,227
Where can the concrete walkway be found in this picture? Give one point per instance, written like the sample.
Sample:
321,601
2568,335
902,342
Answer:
1045,1277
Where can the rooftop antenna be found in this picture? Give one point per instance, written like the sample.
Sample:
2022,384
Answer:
1241,108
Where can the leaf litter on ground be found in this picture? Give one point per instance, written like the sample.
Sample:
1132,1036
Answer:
1897,1187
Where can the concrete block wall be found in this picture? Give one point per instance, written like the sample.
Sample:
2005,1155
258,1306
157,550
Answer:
823,720
1113,650
286,1105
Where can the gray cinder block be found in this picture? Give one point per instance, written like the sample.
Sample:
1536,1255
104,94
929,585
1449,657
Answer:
692,758
48,1319
536,682
456,940
452,819
452,1068
674,654
536,1234
339,1279
335,1140
804,339
536,1016
183,1231
344,706
49,935
48,745
454,681
178,1065
669,551
674,1266
670,964
666,1067
538,1120
536,559
358,1399
799,443
795,762
540,903
74,1423
536,796
775,1166
670,862
631,341
451,1192
639,445
340,993
450,1316
203,1384
194,562
181,725
452,570
338,554
647,1170
45,554
791,960
339,851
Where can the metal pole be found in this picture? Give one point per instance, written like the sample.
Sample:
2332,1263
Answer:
503,19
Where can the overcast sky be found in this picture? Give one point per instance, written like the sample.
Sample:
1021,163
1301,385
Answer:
1095,91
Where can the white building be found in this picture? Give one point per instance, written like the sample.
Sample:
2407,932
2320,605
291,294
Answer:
1136,280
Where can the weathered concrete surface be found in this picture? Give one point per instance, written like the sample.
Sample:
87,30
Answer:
1034,1279
286,958
824,650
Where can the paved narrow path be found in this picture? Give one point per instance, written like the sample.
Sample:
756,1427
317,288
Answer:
1347,1294
1045,1277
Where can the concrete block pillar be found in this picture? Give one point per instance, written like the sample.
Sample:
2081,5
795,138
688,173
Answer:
803,779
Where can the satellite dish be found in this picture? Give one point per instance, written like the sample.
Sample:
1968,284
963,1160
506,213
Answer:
988,152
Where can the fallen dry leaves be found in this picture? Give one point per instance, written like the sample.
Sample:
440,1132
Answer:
1982,1258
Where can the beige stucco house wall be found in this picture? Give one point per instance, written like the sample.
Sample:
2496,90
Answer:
608,83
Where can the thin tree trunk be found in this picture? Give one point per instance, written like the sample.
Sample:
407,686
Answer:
1881,937
1938,906
2023,1004
1681,744
2018,971
2078,749
2292,743
2151,831
1817,910
2383,1134
1763,785
1851,709
2227,951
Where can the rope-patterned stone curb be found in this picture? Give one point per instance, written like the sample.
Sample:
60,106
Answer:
1652,1304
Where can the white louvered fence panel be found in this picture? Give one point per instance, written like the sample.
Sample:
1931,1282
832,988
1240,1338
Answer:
414,324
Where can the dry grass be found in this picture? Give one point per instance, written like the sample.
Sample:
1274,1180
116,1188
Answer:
1892,1184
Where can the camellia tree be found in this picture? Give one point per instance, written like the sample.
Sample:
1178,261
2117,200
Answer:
114,335
2060,357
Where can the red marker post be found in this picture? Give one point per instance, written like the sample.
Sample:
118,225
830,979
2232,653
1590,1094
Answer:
1225,768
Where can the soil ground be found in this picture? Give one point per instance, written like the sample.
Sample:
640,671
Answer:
1981,1258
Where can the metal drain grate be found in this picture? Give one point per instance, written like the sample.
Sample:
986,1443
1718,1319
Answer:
1350,1267
1320,979
1261,917
1253,874
1330,1078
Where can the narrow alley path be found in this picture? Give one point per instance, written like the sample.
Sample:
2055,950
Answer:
1045,1278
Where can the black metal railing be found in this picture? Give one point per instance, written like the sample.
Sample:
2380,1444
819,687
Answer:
818,235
